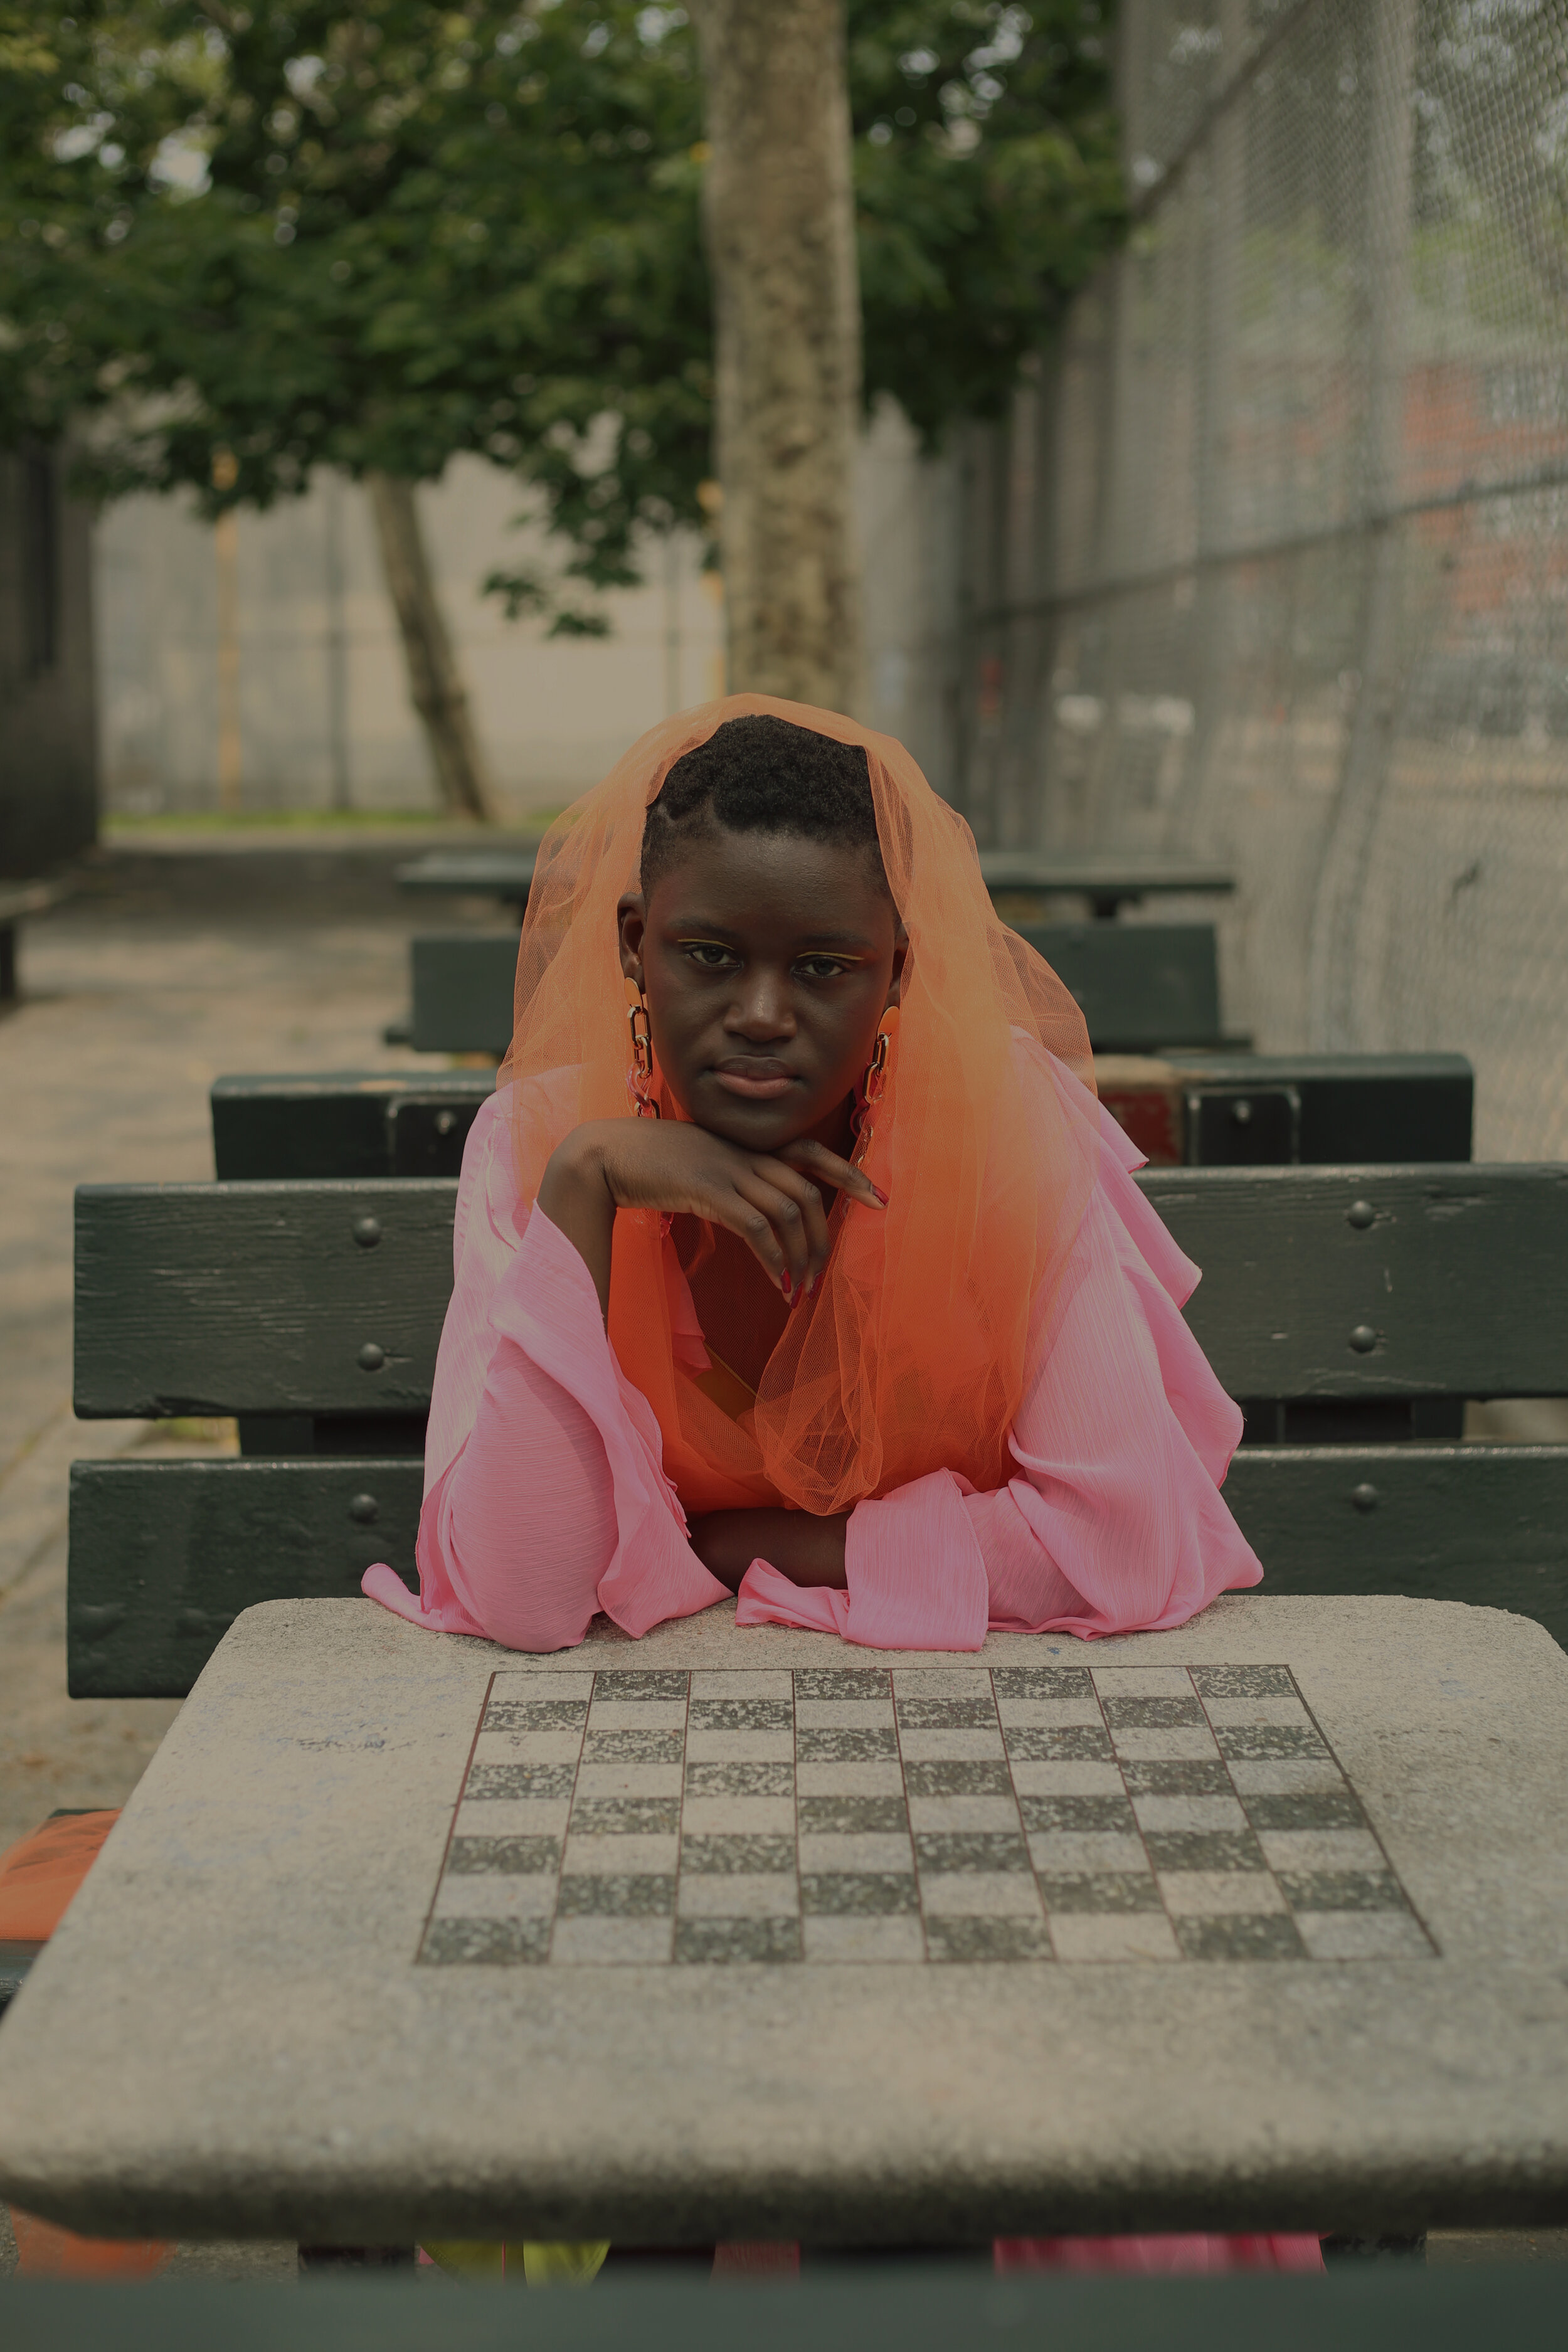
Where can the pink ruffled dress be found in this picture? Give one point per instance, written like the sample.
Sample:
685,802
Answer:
545,1500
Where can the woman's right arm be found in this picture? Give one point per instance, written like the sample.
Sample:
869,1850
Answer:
522,1525
519,1521
544,1472
770,1201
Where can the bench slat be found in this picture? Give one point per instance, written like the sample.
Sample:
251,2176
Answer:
260,1298
164,1555
257,1298
1457,1285
1483,1523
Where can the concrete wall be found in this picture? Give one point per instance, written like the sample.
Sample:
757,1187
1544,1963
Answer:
322,702
48,736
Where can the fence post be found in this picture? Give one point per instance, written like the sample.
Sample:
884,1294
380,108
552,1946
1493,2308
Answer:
1370,732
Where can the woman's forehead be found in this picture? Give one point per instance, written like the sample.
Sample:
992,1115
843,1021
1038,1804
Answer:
742,881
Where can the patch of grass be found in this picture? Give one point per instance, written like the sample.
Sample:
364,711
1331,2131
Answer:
282,820
192,1430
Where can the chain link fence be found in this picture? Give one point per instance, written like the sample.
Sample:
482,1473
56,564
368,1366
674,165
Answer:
1271,564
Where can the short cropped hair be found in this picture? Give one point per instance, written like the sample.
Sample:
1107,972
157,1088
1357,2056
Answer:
762,774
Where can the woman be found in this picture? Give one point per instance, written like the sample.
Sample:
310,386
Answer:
869,1323
862,1316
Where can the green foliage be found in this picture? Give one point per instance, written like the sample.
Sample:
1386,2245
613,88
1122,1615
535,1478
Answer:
374,236
986,186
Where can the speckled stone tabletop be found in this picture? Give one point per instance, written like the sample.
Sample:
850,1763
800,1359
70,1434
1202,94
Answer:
1259,1923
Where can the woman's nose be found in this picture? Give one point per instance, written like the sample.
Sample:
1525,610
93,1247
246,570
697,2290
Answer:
762,1009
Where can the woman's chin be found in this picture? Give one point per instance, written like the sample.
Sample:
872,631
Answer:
767,1125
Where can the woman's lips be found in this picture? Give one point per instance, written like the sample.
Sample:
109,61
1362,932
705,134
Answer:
765,1083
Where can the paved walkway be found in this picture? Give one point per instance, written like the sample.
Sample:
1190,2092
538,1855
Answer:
170,969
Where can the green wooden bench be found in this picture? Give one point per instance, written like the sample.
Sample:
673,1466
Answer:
1200,1109
1109,879
462,984
1141,986
345,1123
504,874
17,900
461,988
312,1311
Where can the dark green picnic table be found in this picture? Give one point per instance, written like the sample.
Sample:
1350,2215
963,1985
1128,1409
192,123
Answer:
503,874
1107,879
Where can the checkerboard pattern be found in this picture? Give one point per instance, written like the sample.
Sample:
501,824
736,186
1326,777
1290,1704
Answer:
851,1813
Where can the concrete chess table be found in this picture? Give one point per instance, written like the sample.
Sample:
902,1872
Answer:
1262,1923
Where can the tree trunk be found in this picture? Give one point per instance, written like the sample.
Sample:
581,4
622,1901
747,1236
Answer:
434,682
786,298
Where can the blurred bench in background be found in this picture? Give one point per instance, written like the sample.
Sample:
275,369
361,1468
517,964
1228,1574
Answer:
460,994
503,874
1198,1110
17,900
345,1123
1107,879
1140,985
1219,1109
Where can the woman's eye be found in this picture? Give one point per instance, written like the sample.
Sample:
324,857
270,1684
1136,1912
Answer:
821,967
709,954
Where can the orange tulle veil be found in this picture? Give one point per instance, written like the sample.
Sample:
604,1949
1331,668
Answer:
914,1353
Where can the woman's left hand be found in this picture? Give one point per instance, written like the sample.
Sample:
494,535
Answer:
807,1549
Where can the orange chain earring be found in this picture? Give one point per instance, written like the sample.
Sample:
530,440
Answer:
873,1086
639,1075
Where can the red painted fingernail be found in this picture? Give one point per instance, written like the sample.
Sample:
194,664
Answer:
784,1284
879,1191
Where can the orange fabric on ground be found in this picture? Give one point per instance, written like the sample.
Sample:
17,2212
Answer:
39,1875
44,2251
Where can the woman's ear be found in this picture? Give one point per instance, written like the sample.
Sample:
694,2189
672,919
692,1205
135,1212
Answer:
900,965
631,917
